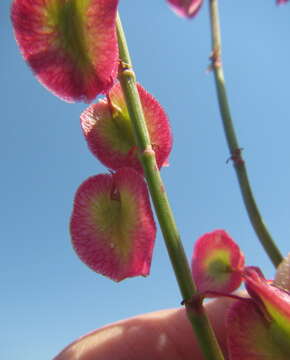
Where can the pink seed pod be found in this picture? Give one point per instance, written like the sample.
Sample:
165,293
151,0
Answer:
186,8
275,301
71,45
217,263
112,225
108,130
259,327
251,336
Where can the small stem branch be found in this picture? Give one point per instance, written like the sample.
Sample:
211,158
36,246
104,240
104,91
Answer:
235,150
198,319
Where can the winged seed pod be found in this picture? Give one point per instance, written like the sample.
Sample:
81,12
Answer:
217,263
71,45
108,130
259,327
112,226
186,8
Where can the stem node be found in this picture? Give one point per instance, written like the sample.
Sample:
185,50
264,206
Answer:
215,57
236,157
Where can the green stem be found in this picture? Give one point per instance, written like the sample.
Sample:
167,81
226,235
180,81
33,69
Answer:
197,316
235,150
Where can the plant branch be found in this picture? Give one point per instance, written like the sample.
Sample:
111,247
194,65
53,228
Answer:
235,150
197,317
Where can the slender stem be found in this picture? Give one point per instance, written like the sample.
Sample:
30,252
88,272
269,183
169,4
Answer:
235,150
197,316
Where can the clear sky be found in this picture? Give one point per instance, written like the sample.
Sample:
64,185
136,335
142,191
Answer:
48,296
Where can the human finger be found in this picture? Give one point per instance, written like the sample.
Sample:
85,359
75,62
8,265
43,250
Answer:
165,334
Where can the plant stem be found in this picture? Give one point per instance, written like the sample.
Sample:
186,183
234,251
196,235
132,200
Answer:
197,316
235,150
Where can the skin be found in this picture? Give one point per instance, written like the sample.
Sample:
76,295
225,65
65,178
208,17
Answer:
164,334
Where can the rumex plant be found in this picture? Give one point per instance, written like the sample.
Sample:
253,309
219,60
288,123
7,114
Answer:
112,225
78,50
70,45
258,324
108,130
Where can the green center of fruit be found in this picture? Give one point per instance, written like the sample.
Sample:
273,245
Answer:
116,219
68,19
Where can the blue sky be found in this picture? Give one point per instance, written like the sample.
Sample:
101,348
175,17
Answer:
48,297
